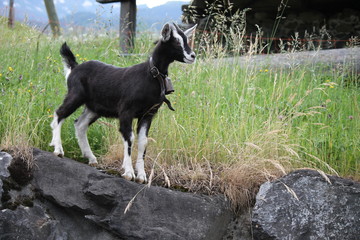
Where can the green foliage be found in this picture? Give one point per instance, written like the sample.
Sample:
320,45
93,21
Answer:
225,114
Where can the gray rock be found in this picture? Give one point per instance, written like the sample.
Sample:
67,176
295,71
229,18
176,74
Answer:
65,199
47,221
15,177
154,213
307,205
240,227
5,161
1,192
324,60
26,223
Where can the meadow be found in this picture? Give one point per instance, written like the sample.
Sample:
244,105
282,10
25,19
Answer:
234,127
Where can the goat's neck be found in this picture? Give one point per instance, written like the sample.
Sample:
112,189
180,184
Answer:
161,61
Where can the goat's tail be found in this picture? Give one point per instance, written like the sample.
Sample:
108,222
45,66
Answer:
68,57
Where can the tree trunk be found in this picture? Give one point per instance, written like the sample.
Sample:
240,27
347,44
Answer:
11,14
53,18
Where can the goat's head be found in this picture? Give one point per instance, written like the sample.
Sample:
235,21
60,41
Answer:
176,41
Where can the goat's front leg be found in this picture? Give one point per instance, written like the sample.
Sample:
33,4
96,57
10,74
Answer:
72,101
142,131
128,139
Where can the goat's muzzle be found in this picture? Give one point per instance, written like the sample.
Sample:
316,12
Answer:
190,58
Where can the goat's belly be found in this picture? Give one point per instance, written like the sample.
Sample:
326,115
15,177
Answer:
103,111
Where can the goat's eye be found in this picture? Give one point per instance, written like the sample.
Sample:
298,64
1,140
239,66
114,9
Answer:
177,42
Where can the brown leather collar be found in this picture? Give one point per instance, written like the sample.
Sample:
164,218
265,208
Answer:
165,83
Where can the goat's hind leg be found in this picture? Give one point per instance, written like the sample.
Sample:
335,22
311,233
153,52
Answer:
70,104
56,135
81,126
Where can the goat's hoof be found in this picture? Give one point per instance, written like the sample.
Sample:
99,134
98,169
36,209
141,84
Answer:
93,162
141,179
59,154
128,176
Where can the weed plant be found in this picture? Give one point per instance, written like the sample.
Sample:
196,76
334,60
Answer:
234,126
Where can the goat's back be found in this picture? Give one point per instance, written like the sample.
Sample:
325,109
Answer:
108,89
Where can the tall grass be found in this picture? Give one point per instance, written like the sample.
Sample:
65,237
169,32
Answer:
234,126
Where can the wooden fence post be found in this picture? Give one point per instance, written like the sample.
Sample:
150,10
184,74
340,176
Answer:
127,25
11,14
53,18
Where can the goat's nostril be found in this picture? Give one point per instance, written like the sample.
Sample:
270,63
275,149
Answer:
192,55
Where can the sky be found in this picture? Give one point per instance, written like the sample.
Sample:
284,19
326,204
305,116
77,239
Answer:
35,8
149,3
154,3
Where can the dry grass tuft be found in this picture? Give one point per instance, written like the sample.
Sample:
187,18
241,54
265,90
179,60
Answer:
200,178
266,156
19,146
241,181
113,157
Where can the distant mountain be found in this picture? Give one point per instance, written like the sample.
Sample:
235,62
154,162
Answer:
155,17
87,13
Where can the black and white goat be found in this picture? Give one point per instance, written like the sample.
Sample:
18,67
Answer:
124,93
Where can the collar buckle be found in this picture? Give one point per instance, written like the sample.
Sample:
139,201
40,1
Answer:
154,72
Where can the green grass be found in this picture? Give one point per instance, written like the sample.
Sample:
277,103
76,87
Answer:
226,115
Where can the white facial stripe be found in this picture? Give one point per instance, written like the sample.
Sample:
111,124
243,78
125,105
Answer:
187,57
179,38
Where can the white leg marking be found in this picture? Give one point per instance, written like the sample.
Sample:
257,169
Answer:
81,127
127,163
56,136
142,143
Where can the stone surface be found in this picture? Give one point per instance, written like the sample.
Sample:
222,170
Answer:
5,161
306,205
47,221
327,61
64,199
240,227
28,223
154,213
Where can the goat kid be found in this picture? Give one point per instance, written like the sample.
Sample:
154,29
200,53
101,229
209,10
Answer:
124,93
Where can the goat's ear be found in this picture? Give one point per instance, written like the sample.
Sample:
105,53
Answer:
189,32
166,32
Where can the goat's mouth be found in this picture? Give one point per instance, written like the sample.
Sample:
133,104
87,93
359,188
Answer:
189,60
